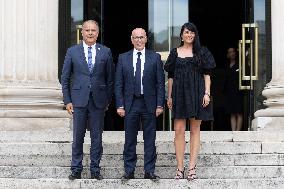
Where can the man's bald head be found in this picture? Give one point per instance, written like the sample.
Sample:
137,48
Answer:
138,30
139,38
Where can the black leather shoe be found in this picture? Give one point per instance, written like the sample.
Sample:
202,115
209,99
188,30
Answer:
127,176
151,176
97,176
74,175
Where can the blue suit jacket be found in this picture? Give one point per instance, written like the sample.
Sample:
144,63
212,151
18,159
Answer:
153,81
77,81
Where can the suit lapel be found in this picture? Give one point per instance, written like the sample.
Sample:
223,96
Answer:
98,56
83,58
147,62
130,63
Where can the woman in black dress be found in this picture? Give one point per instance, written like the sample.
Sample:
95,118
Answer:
188,68
233,96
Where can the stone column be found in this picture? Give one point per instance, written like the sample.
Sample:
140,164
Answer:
272,118
30,93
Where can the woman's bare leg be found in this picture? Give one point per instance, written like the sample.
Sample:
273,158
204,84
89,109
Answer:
179,126
194,141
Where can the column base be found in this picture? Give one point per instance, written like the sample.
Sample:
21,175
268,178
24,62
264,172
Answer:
30,120
269,119
32,106
31,96
268,124
32,124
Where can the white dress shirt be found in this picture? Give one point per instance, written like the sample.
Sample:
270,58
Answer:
93,52
142,57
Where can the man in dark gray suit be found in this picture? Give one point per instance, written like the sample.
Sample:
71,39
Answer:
140,95
87,86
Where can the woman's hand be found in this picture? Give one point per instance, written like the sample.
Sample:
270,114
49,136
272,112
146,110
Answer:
206,100
170,103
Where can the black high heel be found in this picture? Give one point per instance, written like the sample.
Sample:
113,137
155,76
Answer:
179,174
191,176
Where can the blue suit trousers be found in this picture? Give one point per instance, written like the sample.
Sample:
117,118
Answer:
139,114
95,118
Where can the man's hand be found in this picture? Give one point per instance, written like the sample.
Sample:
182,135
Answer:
120,112
69,108
159,110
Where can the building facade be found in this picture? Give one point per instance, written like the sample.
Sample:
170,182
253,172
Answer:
36,34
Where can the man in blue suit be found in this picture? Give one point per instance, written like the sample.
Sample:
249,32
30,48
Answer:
87,86
139,92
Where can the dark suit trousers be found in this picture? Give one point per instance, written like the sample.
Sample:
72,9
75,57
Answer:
95,119
138,111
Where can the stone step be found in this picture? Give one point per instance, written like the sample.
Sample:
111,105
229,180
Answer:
224,172
164,147
118,136
142,184
162,160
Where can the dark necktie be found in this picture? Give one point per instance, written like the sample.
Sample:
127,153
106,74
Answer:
138,75
90,64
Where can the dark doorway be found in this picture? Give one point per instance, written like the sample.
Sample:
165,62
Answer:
219,25
119,19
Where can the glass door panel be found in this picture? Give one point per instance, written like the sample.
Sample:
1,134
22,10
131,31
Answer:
159,25
252,50
77,17
180,12
165,19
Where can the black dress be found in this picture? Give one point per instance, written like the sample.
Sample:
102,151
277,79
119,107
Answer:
188,84
233,96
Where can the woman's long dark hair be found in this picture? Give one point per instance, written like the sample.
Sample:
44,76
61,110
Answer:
196,43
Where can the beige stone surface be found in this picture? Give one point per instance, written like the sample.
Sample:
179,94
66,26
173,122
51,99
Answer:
274,91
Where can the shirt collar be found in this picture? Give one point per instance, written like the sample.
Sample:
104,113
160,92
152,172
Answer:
86,46
135,51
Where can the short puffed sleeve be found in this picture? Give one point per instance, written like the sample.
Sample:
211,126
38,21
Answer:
208,61
170,63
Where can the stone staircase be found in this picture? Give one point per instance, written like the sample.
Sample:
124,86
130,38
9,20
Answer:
41,159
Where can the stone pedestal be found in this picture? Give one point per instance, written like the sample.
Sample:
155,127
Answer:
272,118
30,94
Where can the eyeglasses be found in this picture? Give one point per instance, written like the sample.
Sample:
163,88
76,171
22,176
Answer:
136,38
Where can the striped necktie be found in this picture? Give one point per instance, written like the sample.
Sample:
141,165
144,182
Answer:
90,64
